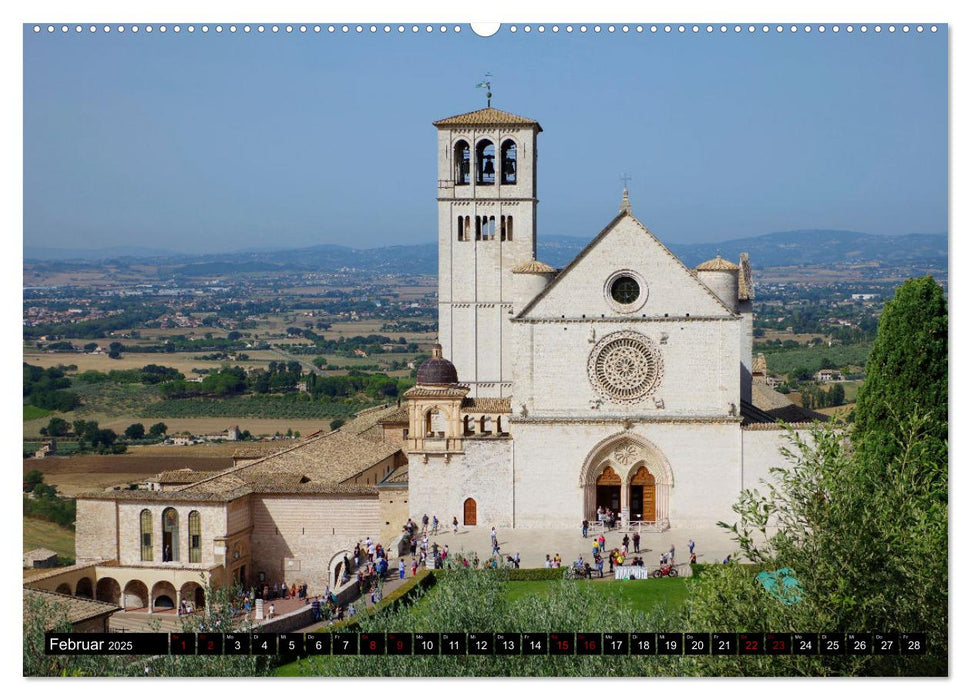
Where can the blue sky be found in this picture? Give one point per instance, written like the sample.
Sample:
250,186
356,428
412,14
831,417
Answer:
206,142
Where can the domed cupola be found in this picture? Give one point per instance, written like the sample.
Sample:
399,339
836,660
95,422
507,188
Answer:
436,370
721,277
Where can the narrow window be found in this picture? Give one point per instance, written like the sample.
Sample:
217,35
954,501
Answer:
460,228
195,538
508,162
509,228
468,227
146,535
170,535
502,228
462,163
485,165
478,228
492,228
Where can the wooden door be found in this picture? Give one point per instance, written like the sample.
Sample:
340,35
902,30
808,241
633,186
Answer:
469,511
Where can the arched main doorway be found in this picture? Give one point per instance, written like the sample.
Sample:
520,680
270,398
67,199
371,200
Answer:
608,490
469,512
627,470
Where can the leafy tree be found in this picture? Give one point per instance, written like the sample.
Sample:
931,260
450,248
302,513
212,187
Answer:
135,431
32,479
837,395
906,371
336,423
57,427
158,429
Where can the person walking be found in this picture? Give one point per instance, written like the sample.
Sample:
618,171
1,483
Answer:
401,569
494,536
455,525
637,542
584,526
424,523
671,553
603,541
435,525
691,546
626,540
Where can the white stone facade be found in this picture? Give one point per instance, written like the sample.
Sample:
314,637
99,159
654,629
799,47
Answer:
627,373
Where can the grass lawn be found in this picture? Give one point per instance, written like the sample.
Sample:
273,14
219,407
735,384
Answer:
41,533
641,595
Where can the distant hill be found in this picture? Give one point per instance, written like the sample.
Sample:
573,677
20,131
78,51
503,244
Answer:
43,253
804,247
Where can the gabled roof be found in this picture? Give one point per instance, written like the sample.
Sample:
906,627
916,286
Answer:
489,116
76,609
565,272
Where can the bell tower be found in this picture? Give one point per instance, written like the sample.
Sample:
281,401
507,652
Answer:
486,227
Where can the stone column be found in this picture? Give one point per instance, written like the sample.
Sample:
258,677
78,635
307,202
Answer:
625,500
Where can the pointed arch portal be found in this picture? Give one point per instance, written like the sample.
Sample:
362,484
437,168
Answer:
629,474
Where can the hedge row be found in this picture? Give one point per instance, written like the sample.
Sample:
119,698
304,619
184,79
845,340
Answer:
401,595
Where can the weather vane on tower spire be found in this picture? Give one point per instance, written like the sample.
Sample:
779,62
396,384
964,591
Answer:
487,84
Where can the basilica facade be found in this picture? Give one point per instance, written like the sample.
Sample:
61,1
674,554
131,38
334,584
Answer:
622,381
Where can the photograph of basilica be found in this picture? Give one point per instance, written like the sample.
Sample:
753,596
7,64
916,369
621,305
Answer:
625,380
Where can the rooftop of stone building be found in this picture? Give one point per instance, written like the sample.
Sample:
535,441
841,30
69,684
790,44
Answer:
487,116
314,465
76,609
717,264
486,405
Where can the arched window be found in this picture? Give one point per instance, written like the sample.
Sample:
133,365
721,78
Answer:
478,228
146,535
468,228
170,535
509,228
508,162
485,163
462,163
195,537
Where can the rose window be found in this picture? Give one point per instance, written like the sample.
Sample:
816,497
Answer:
624,367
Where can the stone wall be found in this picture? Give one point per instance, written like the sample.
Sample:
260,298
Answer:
95,530
483,473
296,537
395,511
212,521
703,461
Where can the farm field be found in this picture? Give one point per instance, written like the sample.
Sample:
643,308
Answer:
785,361
41,533
80,474
194,426
181,361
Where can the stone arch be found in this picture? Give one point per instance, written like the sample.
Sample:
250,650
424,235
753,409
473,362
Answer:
135,594
108,590
63,589
194,593
335,568
485,162
84,588
163,595
626,454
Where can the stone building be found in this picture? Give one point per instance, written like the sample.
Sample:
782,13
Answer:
622,381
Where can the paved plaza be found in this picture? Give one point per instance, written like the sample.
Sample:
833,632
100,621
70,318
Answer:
712,544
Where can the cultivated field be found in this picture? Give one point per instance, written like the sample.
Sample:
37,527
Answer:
41,533
181,361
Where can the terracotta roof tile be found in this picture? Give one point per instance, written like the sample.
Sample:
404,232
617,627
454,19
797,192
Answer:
486,405
717,264
534,266
78,609
489,116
